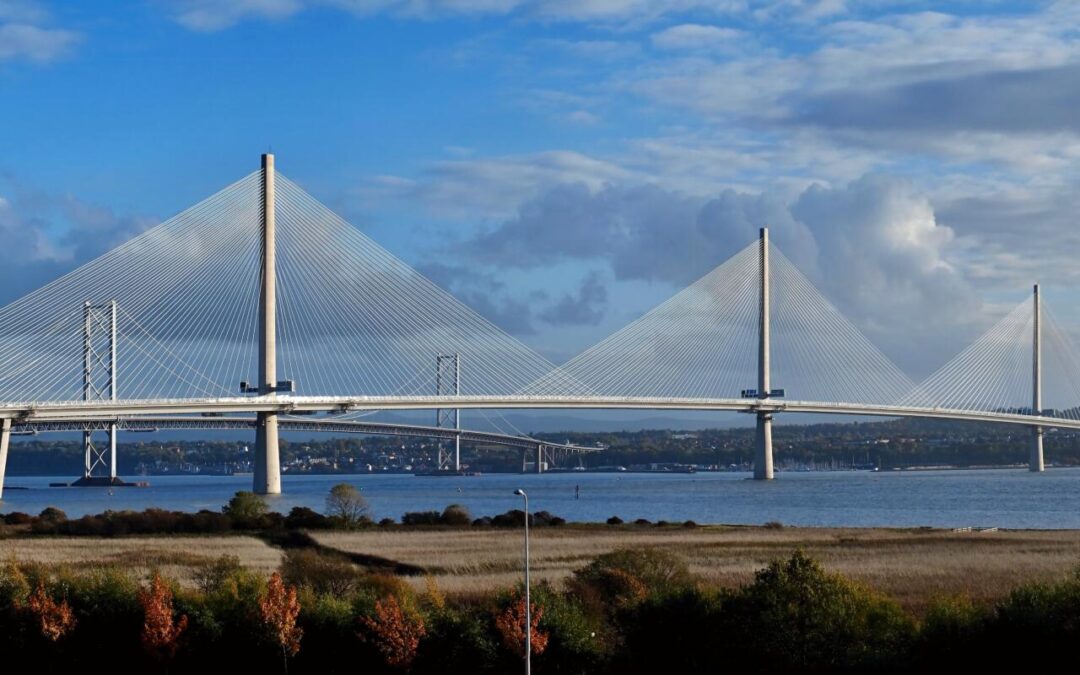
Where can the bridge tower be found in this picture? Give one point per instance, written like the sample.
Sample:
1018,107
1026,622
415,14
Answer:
763,456
267,461
448,382
99,384
1035,461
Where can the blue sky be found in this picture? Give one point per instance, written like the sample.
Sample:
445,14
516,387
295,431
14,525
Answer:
562,166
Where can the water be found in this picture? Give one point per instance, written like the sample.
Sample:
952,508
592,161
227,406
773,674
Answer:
978,498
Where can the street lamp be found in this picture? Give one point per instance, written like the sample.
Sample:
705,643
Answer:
528,604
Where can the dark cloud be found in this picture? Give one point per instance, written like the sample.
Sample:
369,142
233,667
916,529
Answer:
484,294
586,307
1033,100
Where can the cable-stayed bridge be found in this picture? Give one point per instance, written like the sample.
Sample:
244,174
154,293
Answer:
260,308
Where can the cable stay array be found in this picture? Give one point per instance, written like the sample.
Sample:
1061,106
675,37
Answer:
185,293
179,306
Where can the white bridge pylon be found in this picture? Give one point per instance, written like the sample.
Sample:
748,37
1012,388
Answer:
262,284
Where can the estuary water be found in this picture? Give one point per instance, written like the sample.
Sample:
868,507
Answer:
1006,498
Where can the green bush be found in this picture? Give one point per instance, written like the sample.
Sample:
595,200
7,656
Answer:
456,515
797,617
246,510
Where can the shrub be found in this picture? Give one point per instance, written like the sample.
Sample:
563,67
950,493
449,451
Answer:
387,522
53,619
674,632
656,569
614,520
421,518
212,576
14,586
512,518
482,521
459,640
18,518
321,572
773,525
797,617
642,521
301,517
689,524
456,515
52,514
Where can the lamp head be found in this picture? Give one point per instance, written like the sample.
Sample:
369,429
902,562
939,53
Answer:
519,492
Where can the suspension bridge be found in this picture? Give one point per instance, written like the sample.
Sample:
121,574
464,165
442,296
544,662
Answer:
260,308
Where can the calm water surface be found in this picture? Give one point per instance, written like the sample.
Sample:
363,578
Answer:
1011,498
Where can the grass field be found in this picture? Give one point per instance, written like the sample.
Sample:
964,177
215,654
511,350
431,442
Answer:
911,565
177,557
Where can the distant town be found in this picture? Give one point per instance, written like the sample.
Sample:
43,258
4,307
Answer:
883,446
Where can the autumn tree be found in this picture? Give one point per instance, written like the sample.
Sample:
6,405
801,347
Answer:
278,609
55,619
347,506
395,632
161,628
511,625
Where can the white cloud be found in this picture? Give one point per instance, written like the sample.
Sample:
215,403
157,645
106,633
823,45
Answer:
493,187
690,36
33,43
212,15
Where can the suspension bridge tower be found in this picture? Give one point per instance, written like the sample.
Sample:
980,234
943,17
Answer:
1035,461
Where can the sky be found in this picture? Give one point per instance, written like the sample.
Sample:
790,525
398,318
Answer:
563,165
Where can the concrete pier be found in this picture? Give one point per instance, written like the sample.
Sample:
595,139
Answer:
267,459
1035,461
763,455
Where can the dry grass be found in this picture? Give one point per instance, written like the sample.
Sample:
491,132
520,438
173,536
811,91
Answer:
177,557
912,566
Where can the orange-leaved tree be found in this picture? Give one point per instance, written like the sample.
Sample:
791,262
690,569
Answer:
55,619
278,609
161,628
395,631
511,625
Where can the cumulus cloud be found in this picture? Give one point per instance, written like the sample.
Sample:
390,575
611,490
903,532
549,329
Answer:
23,34
874,246
690,36
54,234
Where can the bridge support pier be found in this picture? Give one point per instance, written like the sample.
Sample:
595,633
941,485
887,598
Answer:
763,456
539,459
267,474
5,440
1035,460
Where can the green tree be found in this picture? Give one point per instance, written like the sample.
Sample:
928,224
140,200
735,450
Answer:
347,506
246,510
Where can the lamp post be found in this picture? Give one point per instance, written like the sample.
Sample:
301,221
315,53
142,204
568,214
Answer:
528,604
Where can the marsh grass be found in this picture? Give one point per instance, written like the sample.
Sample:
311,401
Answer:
179,557
915,566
